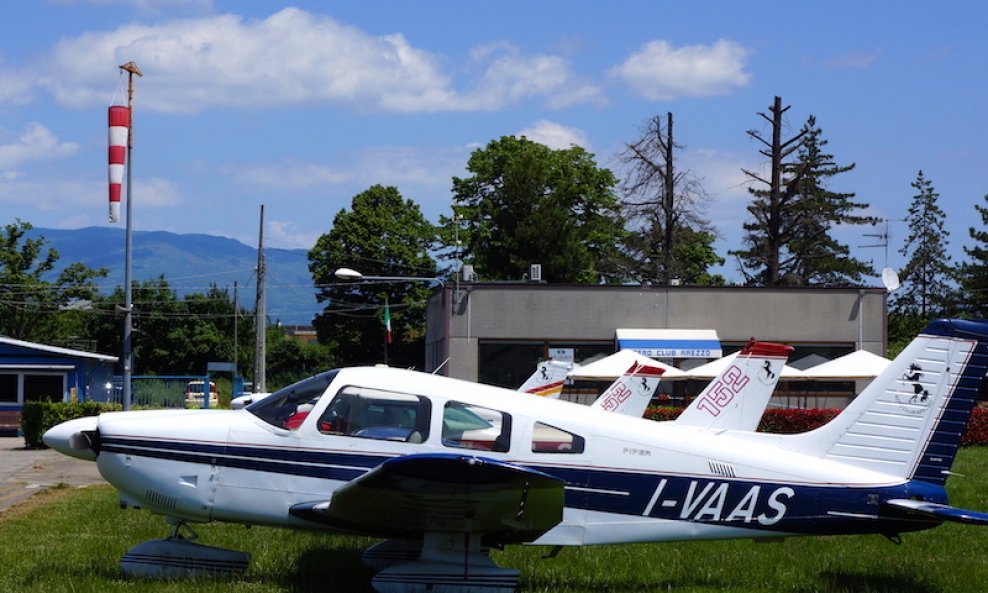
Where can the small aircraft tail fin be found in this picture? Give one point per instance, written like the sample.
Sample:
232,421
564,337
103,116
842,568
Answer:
548,379
736,399
909,421
632,392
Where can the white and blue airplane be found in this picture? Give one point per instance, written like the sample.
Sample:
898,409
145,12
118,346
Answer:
444,470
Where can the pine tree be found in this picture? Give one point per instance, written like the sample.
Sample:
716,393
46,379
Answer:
789,241
815,256
926,278
973,274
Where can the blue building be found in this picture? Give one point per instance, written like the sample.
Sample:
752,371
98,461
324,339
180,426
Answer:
33,372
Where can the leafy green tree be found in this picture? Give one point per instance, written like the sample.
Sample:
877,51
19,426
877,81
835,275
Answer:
31,307
926,288
381,235
526,203
670,238
172,335
789,239
289,360
973,273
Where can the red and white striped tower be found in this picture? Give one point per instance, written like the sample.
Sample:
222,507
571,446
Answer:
119,117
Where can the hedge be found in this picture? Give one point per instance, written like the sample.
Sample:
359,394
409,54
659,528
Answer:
37,417
793,421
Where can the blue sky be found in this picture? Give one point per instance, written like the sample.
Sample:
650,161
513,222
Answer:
300,106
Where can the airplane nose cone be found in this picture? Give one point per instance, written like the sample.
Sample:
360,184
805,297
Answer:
71,438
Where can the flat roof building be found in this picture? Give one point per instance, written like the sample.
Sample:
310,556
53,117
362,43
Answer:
497,332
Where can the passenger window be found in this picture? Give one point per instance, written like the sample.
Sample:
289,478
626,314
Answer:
549,439
375,414
467,426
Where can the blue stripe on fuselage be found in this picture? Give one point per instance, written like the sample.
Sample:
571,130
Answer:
772,506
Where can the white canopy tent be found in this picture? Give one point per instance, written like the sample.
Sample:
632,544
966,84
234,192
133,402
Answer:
859,364
615,365
716,367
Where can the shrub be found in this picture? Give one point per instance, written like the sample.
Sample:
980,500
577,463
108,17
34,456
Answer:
37,417
977,428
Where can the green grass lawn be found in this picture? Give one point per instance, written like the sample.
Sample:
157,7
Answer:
72,540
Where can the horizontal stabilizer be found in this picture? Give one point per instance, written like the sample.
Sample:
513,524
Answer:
941,512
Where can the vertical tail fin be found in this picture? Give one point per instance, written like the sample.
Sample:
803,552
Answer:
738,396
548,379
909,421
632,392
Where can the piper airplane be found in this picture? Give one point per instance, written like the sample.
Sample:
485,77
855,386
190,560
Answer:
444,470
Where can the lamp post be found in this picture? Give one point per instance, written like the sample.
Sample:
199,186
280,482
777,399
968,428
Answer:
350,274
354,275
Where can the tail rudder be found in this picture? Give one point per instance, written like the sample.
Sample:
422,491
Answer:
737,398
909,421
548,379
632,392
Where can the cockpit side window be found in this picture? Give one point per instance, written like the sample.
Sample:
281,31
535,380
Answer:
549,439
288,407
377,414
466,426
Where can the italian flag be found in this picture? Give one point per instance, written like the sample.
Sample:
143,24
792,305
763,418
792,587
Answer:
387,322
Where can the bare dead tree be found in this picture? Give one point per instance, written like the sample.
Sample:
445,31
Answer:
659,199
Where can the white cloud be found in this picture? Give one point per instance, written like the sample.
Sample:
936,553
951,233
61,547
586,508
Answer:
290,57
660,72
510,77
35,143
15,88
86,197
149,6
291,175
554,135
287,235
853,61
419,173
296,57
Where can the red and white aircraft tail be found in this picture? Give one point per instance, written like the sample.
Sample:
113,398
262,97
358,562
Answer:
548,379
632,392
737,398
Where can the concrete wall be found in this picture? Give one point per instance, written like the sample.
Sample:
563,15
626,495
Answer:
459,317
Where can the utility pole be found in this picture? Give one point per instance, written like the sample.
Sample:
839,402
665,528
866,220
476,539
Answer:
260,317
236,320
128,349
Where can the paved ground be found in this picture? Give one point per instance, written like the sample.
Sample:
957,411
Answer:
26,471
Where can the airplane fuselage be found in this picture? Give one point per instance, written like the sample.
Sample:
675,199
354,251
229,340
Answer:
626,479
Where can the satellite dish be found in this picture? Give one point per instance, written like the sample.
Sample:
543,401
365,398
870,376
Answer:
890,279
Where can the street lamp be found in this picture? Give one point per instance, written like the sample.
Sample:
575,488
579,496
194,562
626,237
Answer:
354,275
351,274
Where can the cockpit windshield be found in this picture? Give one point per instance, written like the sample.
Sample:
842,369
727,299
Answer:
287,407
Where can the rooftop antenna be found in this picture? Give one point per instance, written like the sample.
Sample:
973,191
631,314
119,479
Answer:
890,279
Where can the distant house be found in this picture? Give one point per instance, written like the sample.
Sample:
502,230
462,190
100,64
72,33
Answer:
33,372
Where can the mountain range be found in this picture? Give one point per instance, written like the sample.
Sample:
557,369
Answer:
191,263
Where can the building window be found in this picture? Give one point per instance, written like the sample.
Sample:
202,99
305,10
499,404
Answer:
8,388
49,388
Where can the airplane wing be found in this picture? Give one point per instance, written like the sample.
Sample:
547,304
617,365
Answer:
939,512
444,493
